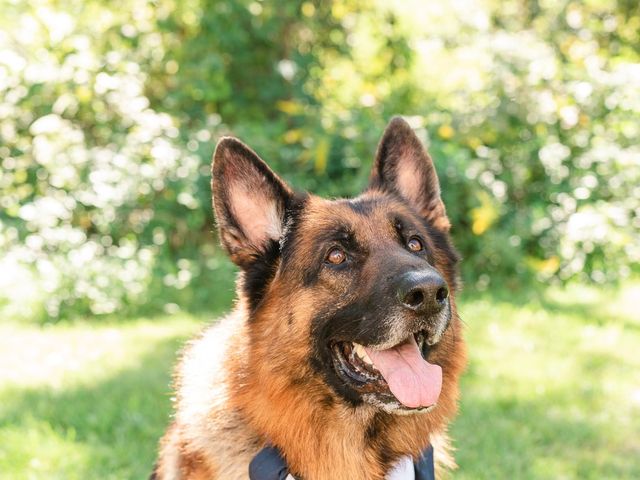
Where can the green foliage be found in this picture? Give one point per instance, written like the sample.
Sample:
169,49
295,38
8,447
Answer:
110,112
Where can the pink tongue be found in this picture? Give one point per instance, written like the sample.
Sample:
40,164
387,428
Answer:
414,381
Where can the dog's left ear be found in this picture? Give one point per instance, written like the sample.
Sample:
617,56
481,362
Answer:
403,166
249,200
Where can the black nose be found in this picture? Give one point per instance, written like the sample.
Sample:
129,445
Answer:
423,291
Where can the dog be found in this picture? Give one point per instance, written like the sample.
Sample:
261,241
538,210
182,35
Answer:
344,348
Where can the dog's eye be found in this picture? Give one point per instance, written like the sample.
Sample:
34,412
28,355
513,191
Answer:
414,244
336,256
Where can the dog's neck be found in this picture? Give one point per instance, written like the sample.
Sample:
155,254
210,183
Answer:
318,433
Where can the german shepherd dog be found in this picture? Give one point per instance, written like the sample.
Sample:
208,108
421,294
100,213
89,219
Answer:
344,348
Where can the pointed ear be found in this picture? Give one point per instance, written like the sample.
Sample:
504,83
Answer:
403,166
249,201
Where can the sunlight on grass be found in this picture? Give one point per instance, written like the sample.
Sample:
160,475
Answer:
36,450
552,390
549,391
86,401
58,355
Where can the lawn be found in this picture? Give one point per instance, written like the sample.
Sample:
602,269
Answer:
552,390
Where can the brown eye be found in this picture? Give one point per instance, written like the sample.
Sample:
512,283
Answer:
336,256
414,244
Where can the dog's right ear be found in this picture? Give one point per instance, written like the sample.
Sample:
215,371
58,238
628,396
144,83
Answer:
249,201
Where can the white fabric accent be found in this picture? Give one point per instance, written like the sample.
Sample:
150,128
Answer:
403,470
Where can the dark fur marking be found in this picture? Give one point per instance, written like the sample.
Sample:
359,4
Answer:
154,472
378,424
386,455
405,227
298,381
341,233
327,402
292,221
310,276
259,273
442,243
362,207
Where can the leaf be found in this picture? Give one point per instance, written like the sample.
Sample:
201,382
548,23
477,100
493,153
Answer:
483,216
322,154
290,106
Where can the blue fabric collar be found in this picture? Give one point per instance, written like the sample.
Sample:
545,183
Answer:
268,464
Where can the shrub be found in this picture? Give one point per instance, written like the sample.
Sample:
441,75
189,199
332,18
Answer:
110,112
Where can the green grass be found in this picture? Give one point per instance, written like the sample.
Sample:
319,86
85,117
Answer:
84,400
553,387
552,390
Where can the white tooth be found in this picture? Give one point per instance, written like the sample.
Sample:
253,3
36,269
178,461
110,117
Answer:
367,359
362,353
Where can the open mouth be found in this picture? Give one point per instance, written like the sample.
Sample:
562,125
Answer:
399,375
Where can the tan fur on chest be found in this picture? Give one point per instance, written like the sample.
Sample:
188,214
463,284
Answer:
224,401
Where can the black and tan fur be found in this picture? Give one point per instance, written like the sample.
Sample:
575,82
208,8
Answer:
263,373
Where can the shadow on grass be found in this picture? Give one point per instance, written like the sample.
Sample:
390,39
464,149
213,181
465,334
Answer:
117,422
592,304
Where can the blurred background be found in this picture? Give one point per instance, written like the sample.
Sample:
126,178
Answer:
109,114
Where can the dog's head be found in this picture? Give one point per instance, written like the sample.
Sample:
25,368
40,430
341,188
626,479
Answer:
360,290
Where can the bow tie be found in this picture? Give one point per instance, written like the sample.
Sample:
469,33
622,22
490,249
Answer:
268,464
